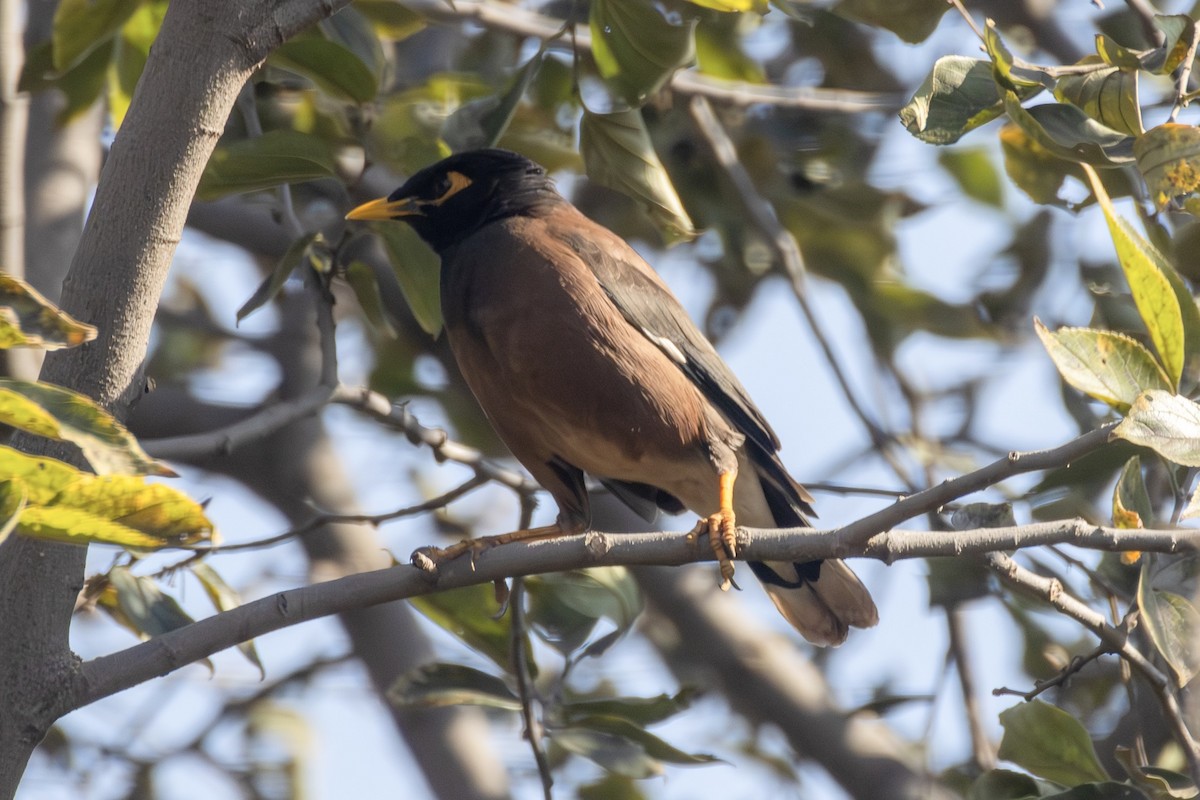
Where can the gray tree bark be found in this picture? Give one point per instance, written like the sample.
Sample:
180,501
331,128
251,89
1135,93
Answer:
205,52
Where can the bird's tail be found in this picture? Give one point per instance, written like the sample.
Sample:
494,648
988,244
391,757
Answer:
821,599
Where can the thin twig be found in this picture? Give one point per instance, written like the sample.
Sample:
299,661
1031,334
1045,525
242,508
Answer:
533,728
432,504
521,22
272,418
1073,667
444,448
1185,76
962,10
846,489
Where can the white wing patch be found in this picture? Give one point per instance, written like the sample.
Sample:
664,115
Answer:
667,346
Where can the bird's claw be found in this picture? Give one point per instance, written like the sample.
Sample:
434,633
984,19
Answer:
429,557
721,528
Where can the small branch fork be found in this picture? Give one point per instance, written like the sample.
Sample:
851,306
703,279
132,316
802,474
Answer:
1117,639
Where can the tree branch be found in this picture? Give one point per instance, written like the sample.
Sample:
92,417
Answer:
520,22
109,674
1051,590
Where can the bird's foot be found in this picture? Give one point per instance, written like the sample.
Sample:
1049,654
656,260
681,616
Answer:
721,528
428,558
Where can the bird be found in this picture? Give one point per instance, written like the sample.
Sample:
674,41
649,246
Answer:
585,363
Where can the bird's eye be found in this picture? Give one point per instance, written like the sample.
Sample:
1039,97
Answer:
440,187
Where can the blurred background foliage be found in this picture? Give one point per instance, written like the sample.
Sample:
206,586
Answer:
922,270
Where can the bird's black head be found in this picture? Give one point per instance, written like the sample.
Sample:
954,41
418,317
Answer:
447,201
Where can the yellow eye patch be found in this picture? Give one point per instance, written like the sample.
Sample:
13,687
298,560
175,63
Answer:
458,182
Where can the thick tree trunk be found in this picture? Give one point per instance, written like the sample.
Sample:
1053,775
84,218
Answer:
205,51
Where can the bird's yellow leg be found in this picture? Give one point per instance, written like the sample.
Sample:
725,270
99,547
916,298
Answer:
427,558
721,528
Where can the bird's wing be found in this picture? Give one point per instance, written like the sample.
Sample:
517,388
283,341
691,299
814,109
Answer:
648,305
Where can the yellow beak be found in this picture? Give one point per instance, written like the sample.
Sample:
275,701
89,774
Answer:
385,209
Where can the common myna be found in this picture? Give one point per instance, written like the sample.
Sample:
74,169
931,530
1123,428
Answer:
585,362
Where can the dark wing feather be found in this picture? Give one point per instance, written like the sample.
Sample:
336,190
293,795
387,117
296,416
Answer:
648,305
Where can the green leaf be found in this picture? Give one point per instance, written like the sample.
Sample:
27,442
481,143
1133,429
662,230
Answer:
1050,743
83,84
482,122
150,611
1173,624
1107,790
1004,69
299,253
1115,54
58,413
495,122
719,50
636,50
264,162
1131,502
333,68
132,48
958,96
80,26
1168,157
1003,784
29,320
564,607
390,19
757,6
1070,134
975,174
1034,169
1178,30
470,614
1163,783
614,753
437,685
638,710
1109,96
1109,366
1166,423
609,787
351,29
618,153
653,746
911,20
224,598
366,290
418,271
1146,269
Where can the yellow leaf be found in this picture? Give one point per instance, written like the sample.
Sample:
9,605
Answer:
58,413
1168,157
68,505
1146,270
29,320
